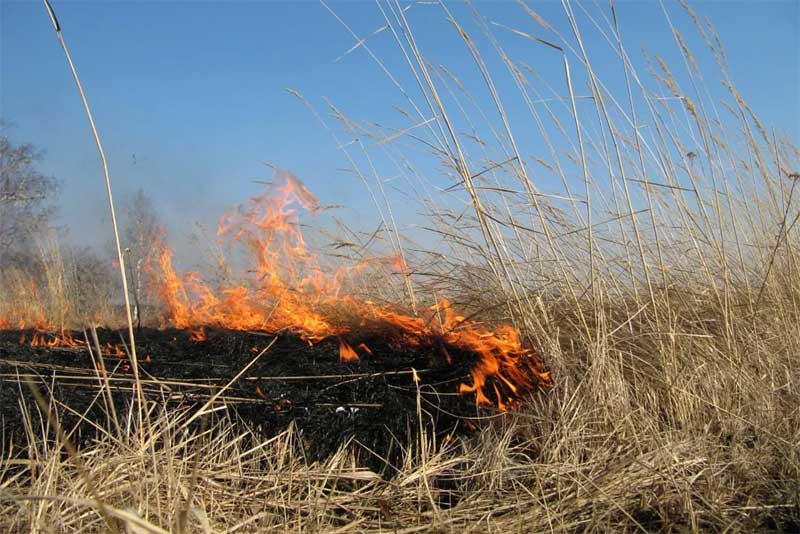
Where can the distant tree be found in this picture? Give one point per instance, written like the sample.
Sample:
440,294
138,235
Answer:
142,230
94,287
25,196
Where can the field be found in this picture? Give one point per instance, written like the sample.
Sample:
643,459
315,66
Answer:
619,355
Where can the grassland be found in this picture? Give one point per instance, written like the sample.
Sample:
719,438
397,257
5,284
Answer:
663,293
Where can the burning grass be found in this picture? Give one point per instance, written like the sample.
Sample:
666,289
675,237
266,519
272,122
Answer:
663,289
612,446
285,289
371,401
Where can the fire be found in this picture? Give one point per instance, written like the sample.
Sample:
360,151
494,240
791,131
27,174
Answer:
41,338
28,306
111,349
285,288
346,352
44,338
502,356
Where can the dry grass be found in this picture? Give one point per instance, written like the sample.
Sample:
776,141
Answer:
613,447
54,287
662,286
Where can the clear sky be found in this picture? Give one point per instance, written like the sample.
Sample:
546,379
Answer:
190,99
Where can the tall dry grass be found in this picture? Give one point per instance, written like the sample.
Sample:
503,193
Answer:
659,279
53,286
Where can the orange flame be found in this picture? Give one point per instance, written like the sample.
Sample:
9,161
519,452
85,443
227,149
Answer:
30,309
287,283
111,349
286,289
41,339
346,352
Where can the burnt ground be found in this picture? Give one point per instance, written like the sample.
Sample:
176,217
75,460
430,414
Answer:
373,401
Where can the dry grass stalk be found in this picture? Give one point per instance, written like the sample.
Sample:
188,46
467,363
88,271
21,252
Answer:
669,315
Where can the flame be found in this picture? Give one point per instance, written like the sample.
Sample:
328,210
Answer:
29,309
43,338
501,355
346,352
283,287
112,349
197,334
273,282
287,285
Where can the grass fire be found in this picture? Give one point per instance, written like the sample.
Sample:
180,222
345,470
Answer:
399,267
287,290
283,293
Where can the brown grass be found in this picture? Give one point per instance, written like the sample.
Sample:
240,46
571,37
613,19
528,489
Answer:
662,287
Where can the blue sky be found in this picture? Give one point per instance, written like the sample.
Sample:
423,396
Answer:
190,99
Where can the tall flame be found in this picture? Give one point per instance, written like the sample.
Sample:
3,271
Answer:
286,285
287,290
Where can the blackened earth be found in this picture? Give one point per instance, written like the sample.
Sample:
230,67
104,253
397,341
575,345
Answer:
373,401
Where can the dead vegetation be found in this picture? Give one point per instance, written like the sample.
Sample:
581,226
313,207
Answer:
661,285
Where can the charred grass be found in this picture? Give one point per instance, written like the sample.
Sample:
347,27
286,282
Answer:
638,435
662,288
